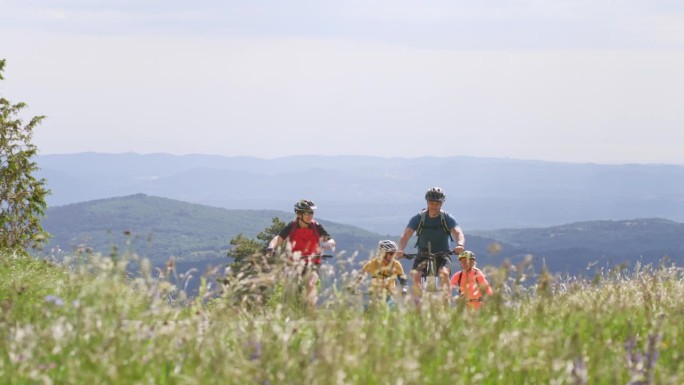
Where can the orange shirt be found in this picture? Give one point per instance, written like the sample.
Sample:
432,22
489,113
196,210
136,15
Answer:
471,285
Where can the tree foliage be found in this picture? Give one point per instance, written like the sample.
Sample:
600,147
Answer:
248,254
249,262
22,196
243,247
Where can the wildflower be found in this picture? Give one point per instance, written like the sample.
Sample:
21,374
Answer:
256,352
54,300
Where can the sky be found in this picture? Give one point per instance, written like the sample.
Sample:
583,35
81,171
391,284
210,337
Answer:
596,81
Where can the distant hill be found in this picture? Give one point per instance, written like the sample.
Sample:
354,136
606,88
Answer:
573,247
380,194
159,228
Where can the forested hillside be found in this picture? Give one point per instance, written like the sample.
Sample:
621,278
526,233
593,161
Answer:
572,247
160,228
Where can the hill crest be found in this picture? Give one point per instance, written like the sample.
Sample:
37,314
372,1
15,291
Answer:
380,194
159,228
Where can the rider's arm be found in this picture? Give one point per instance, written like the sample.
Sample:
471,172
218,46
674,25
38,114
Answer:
487,287
401,276
458,236
328,244
359,275
403,282
275,242
404,285
328,241
278,239
454,284
408,232
366,269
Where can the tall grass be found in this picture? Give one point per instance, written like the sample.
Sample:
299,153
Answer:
92,323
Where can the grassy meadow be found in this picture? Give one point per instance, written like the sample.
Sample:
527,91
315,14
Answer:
88,321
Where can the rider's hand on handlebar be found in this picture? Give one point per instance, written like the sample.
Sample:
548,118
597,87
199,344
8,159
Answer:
458,249
328,245
400,254
351,289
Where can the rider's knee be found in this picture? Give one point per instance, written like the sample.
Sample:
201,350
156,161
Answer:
313,280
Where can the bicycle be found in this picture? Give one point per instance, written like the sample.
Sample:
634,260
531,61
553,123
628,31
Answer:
430,279
376,295
296,279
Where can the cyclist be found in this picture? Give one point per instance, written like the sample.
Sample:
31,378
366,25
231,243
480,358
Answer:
470,281
385,271
436,229
304,237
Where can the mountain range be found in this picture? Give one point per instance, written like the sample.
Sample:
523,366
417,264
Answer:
198,235
380,194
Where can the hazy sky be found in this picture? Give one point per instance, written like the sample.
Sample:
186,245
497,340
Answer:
565,80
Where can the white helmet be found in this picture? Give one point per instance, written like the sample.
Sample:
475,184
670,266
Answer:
387,246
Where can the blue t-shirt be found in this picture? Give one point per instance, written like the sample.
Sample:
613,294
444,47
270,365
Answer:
433,232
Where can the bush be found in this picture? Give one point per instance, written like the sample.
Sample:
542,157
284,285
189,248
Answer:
22,197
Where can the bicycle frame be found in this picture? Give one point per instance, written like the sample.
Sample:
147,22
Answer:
430,278
295,287
371,299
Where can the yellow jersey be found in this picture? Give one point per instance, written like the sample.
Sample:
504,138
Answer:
384,276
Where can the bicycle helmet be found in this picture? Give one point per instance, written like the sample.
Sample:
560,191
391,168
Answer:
304,205
467,254
387,246
435,194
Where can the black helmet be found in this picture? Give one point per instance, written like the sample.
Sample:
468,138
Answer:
304,205
435,194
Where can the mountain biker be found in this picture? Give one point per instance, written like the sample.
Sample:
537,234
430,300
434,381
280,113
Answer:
385,271
470,281
437,229
304,237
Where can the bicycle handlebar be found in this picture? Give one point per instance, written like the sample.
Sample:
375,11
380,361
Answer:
321,256
437,254
317,256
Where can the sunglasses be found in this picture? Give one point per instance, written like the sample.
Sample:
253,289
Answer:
390,253
307,212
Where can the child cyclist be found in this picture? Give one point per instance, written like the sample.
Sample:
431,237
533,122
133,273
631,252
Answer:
470,281
384,271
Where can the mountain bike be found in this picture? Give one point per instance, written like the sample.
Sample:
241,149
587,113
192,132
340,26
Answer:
374,296
430,278
296,278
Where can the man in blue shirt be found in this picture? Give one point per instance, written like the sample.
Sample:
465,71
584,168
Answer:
436,230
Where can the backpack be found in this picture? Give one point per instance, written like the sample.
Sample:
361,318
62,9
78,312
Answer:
442,219
460,277
475,275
